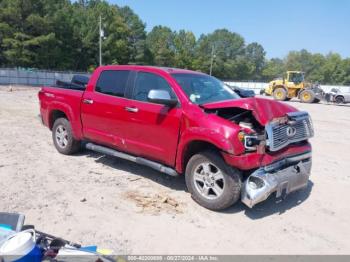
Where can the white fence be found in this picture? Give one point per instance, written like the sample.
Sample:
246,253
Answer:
257,86
14,76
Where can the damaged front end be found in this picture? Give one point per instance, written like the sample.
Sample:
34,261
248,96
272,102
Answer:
282,177
286,175
251,133
267,130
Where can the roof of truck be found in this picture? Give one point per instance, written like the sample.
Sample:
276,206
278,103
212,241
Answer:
169,70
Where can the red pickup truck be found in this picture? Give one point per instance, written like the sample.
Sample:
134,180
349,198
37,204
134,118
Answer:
184,122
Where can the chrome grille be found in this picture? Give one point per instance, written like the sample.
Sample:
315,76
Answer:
296,129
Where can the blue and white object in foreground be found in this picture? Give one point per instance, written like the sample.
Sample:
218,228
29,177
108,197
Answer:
20,247
5,232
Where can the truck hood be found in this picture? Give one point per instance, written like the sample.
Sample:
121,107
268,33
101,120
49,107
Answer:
264,110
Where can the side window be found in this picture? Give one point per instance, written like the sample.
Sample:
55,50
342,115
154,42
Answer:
112,82
148,81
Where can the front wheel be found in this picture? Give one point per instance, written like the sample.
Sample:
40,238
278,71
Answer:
63,137
307,96
340,100
280,94
212,183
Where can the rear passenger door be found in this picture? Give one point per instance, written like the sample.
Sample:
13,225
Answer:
152,129
103,110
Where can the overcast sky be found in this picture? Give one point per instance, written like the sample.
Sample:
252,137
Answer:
280,26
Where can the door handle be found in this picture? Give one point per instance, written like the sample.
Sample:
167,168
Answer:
131,109
88,101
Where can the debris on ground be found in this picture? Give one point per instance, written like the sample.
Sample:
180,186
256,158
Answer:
155,204
134,179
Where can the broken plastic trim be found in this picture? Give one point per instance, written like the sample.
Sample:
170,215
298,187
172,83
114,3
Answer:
287,175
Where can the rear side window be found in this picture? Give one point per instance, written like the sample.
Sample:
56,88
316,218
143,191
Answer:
113,82
148,81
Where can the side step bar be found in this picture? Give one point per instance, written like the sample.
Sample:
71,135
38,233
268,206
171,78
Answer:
139,160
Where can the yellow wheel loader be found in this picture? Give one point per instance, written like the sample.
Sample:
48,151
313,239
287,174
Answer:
293,85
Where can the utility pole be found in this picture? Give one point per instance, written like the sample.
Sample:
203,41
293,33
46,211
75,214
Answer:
212,59
100,37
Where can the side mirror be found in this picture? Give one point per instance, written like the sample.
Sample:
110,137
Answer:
161,97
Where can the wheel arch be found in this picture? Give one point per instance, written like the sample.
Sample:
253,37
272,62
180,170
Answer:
339,96
191,148
279,86
54,115
58,111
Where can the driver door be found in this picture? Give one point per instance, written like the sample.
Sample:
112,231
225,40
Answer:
153,129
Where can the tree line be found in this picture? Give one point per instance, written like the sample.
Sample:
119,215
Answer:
63,35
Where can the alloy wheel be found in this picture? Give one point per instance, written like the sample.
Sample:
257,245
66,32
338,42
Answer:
209,180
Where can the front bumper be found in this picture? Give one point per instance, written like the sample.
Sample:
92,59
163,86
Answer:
283,177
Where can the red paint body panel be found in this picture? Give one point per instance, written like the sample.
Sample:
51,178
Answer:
104,121
64,100
263,109
255,160
153,131
157,132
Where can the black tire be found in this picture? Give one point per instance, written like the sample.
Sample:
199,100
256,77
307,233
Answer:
280,94
62,128
231,181
339,100
307,96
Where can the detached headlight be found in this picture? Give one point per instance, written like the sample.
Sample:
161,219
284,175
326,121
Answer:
250,141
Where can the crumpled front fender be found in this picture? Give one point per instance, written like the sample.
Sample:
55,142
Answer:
215,138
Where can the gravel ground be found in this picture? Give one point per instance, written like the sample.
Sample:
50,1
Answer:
94,199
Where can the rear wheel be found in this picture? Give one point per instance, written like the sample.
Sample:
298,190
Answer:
63,137
307,96
212,183
280,94
340,100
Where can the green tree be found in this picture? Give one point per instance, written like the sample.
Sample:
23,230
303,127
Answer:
27,33
64,34
273,68
85,24
160,42
255,55
136,36
333,71
228,48
184,44
346,67
306,62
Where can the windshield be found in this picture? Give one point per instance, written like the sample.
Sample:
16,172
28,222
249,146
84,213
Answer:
202,89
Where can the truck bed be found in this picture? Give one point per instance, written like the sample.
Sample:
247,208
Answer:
64,99
78,82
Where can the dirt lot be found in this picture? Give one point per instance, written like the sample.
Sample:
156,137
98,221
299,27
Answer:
116,204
